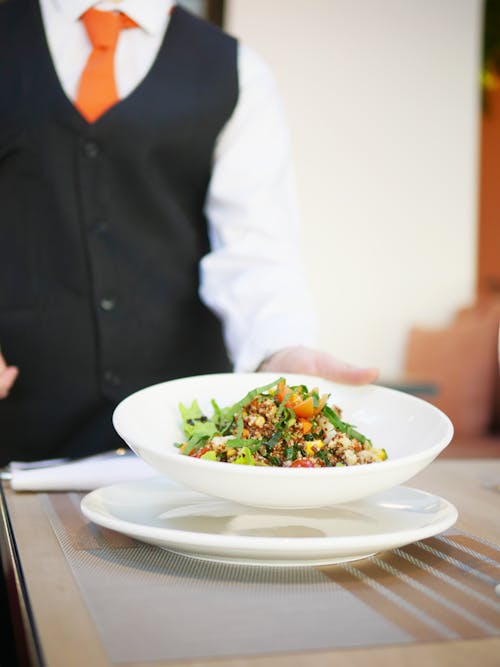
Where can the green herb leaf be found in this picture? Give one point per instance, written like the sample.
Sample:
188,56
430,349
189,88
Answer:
245,457
189,415
343,427
217,410
243,442
194,443
239,425
234,409
273,440
209,456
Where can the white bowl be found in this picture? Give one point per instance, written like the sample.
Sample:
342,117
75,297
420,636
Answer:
412,431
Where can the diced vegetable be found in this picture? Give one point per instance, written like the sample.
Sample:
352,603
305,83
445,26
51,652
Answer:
276,425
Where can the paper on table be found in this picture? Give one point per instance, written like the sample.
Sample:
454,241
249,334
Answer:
86,474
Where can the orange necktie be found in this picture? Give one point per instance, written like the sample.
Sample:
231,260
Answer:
97,89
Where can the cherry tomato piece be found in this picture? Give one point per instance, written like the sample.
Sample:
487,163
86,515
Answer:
304,408
283,391
306,425
200,452
302,463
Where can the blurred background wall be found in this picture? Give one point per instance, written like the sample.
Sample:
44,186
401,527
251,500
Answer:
383,106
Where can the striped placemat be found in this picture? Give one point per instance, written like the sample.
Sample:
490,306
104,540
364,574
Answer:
183,608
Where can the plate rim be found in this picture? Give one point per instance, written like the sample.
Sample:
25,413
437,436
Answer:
253,544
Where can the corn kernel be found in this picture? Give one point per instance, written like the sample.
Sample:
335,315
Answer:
312,447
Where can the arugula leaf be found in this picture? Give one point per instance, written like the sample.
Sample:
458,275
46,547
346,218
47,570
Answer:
197,427
209,456
189,415
217,410
201,429
245,457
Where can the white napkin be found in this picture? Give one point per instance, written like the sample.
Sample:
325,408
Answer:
82,475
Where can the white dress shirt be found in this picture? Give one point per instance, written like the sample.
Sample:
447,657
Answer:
253,277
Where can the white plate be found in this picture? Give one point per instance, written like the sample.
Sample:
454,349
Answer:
171,516
412,431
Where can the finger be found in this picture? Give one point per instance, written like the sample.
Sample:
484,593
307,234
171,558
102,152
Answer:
351,374
318,363
341,371
291,360
7,378
323,364
3,363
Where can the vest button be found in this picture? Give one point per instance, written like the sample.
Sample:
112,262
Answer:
112,378
107,304
91,149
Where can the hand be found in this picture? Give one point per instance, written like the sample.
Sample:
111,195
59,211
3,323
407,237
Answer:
304,360
8,375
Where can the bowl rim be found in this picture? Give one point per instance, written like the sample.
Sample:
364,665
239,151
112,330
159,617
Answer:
171,453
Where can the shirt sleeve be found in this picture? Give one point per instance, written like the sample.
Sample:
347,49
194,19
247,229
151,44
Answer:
253,278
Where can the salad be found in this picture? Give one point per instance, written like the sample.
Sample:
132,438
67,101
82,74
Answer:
276,425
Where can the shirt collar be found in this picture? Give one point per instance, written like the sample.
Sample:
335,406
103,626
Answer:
150,15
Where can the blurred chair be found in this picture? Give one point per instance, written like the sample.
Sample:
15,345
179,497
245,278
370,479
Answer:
462,362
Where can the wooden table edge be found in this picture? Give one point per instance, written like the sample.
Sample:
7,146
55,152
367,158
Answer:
27,644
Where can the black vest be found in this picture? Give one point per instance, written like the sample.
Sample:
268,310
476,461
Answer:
101,231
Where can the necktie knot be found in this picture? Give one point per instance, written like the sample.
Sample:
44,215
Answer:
103,28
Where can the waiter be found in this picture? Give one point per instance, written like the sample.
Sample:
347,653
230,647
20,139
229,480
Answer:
148,227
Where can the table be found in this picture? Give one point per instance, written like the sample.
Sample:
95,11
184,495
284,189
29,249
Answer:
56,627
